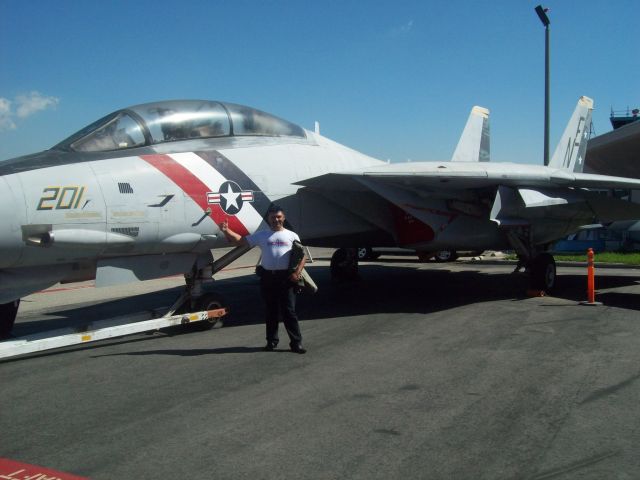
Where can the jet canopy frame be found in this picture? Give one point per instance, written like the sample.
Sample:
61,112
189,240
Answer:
176,120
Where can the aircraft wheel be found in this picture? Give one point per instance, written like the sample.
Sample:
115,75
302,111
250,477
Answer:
364,253
8,312
344,264
446,256
210,301
543,272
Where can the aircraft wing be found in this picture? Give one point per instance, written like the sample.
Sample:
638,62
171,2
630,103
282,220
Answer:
456,176
507,194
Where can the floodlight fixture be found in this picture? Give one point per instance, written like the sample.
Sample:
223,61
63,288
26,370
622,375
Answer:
542,13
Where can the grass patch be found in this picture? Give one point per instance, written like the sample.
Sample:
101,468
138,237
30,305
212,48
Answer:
604,257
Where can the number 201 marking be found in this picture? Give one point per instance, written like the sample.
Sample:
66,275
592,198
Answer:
60,198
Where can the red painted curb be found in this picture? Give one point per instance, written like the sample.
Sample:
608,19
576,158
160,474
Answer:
12,470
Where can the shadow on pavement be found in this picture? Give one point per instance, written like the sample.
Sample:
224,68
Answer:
382,288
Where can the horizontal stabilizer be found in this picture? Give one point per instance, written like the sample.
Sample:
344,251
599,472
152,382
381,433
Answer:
473,145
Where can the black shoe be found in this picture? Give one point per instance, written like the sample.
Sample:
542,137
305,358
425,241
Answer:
270,347
298,349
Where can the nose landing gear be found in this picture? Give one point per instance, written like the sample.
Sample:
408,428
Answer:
8,312
197,295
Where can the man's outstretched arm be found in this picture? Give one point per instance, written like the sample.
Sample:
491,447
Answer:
233,237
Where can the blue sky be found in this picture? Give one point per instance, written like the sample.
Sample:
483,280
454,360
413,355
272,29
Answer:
395,80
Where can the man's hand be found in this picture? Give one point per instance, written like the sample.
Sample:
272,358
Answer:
294,277
232,236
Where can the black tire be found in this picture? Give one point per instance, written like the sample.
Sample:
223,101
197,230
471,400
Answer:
8,312
210,301
446,256
543,272
344,264
364,253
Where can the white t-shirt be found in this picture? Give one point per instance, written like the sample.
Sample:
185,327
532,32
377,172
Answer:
275,247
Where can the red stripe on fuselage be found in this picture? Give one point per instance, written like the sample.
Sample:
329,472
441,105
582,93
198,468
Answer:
194,187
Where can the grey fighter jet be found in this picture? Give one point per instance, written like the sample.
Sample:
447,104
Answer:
139,194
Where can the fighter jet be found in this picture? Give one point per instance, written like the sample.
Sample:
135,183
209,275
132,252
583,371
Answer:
139,194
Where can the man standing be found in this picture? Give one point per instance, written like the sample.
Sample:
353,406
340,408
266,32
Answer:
276,283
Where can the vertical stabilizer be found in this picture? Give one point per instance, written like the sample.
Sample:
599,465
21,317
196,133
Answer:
570,152
473,145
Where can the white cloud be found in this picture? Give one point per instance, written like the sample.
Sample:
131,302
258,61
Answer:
33,102
6,122
407,26
25,106
402,29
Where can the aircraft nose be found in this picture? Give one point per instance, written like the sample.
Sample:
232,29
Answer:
12,211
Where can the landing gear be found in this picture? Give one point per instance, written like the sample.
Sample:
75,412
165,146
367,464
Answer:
344,264
540,265
364,253
446,256
8,312
209,301
543,272
197,295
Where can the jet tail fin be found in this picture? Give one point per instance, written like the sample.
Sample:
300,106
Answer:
570,152
473,145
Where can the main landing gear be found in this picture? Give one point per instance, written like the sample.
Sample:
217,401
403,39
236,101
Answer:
449,255
542,272
540,265
344,264
8,312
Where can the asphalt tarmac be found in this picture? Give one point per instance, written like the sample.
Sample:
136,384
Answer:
418,371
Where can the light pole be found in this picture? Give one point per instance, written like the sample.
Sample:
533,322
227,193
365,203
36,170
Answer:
542,13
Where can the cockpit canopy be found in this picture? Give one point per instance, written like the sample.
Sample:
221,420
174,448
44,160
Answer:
153,123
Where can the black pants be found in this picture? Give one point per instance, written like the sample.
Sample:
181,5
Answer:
280,299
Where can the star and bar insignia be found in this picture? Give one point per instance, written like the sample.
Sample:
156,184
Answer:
230,197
